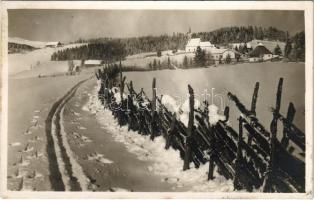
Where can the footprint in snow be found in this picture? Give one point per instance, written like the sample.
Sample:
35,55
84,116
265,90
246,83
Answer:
27,132
22,162
76,114
76,135
117,189
85,139
171,180
27,149
18,174
99,158
34,121
35,175
35,139
35,155
15,144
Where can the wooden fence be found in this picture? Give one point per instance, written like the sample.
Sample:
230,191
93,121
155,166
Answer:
254,158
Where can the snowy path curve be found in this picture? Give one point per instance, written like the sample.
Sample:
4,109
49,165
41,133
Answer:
65,173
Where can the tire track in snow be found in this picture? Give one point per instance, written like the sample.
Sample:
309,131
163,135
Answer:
61,175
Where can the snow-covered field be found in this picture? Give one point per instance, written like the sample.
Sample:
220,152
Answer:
238,79
37,61
143,60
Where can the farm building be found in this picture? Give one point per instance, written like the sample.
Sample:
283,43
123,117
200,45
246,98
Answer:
93,63
237,45
270,45
54,44
255,59
260,52
196,42
221,54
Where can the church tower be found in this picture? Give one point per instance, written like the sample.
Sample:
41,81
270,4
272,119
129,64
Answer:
189,33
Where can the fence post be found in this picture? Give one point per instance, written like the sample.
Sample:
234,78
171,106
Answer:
131,89
211,168
236,182
171,130
268,185
253,108
226,113
187,156
254,99
290,116
121,109
153,122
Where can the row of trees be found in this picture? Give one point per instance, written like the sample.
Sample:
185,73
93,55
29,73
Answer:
158,64
137,45
110,51
295,47
19,48
241,34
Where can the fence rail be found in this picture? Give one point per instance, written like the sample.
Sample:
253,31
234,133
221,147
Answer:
251,156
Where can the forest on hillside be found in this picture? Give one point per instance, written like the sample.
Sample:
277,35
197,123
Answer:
112,49
135,45
240,34
19,48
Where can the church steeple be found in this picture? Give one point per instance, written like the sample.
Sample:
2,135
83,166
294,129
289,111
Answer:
189,33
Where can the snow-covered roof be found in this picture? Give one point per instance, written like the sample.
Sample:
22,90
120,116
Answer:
217,51
205,44
194,42
248,45
220,51
271,45
92,62
53,43
260,44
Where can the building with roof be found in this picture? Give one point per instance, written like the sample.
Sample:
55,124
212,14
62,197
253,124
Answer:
93,63
260,53
270,45
193,43
54,44
220,55
237,45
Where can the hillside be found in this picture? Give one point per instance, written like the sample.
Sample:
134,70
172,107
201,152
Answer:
241,34
34,60
21,41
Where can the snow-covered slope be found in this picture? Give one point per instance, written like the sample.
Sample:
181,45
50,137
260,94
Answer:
33,60
35,44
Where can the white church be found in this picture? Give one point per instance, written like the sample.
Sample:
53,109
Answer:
193,43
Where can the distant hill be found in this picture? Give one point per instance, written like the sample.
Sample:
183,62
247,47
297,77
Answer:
21,41
19,48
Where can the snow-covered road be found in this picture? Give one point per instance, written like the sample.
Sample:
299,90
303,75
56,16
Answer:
113,157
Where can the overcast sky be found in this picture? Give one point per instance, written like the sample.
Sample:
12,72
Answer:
69,25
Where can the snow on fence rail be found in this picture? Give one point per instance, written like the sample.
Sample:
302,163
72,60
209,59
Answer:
252,157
